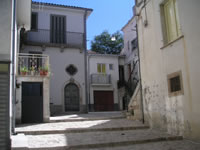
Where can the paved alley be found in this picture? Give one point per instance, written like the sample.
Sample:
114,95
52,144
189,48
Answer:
95,131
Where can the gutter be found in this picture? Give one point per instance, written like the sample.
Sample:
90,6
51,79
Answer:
85,62
88,82
13,66
140,80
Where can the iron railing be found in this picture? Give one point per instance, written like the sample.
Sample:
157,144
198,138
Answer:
33,65
49,37
100,79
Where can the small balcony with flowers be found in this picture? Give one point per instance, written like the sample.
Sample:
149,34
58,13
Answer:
33,65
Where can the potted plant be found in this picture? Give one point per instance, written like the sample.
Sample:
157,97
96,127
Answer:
44,71
32,70
24,70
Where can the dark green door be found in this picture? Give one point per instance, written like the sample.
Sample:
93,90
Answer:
32,102
71,97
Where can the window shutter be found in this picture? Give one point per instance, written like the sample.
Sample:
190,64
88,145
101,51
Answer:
103,68
99,68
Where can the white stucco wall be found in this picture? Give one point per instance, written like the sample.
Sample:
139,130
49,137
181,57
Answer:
74,18
5,29
129,34
177,114
92,67
59,61
60,58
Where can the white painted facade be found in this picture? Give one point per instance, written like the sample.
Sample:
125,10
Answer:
61,55
93,60
177,114
131,56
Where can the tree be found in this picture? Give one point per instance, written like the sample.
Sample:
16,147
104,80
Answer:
106,43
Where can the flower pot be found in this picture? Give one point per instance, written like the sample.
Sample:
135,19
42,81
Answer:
43,73
23,73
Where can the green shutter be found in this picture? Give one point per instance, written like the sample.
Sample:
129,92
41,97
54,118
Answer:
103,68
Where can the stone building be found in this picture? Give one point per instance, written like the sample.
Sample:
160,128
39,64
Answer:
54,54
169,54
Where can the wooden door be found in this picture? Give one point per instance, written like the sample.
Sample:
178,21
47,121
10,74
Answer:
103,101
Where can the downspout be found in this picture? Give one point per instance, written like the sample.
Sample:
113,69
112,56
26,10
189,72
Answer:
88,61
141,92
13,65
85,62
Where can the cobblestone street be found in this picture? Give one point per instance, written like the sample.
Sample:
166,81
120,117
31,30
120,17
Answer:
96,131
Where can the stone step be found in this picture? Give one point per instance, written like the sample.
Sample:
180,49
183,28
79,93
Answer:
88,117
96,139
164,145
81,126
84,119
82,130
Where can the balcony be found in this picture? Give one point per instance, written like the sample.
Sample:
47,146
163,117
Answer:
33,65
53,38
100,79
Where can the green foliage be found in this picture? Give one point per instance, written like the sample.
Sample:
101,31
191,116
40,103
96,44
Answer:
24,69
45,68
104,44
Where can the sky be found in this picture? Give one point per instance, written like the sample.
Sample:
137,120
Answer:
110,15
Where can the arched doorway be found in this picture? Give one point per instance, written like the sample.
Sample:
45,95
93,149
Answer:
72,98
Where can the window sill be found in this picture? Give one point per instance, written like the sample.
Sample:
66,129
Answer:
172,42
175,94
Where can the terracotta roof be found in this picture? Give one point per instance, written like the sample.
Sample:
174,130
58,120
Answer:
60,5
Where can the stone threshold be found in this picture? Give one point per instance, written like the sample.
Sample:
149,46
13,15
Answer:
111,144
82,130
85,119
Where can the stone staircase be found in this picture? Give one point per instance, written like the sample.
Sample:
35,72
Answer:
90,131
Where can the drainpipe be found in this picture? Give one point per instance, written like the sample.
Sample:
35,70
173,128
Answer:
141,93
88,61
85,61
13,66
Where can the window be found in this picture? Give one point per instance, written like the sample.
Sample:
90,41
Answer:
134,44
128,45
34,21
171,24
101,68
175,86
58,32
111,67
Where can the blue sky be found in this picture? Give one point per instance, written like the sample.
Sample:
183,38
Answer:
109,15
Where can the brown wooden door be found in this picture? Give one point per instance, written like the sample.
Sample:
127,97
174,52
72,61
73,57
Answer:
103,101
